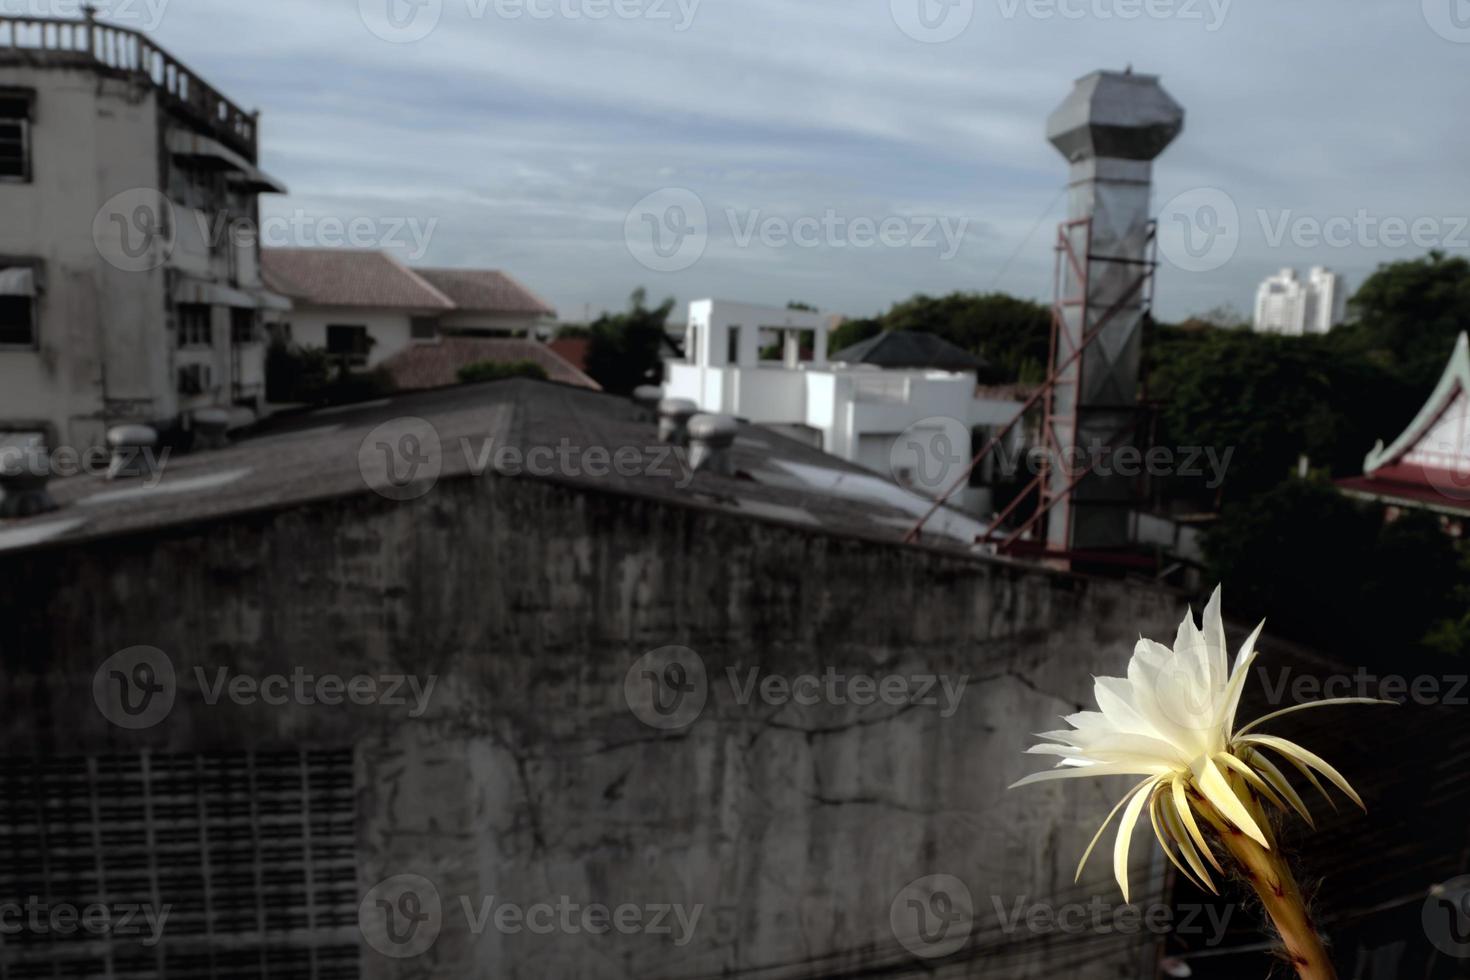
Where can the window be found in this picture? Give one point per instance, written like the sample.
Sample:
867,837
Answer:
350,343
732,346
194,325
195,379
17,321
424,328
254,854
15,134
242,326
18,287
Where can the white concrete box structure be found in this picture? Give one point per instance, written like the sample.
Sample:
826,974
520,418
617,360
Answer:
864,414
126,294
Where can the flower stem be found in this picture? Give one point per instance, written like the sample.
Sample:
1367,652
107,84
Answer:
1268,873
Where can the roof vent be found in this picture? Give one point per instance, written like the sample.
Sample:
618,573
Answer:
211,429
132,451
647,398
673,420
710,439
23,479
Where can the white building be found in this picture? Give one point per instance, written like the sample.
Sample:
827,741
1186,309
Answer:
125,295
365,306
918,423
1287,305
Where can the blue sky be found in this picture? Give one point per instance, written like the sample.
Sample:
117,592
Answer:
526,142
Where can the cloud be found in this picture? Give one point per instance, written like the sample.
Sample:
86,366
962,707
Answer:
529,138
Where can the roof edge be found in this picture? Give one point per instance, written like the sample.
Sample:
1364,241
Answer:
1456,378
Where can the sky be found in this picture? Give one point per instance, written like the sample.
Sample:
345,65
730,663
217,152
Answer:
844,153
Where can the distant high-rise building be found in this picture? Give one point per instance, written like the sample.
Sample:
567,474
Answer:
1287,305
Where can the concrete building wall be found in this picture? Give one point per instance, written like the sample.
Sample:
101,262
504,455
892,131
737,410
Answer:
101,217
528,778
391,329
103,338
507,323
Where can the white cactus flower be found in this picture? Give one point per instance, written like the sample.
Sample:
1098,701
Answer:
1172,721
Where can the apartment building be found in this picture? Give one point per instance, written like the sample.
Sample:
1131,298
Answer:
1288,305
130,285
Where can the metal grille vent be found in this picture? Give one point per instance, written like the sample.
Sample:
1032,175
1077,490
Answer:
252,854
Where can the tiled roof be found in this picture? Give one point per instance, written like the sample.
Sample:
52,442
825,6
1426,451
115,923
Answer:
349,277
908,349
436,365
486,291
574,349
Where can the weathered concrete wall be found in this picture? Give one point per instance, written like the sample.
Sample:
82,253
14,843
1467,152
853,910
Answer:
529,778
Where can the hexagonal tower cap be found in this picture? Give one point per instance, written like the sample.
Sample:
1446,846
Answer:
1115,114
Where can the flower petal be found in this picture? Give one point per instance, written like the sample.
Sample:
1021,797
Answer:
1214,637
1186,816
1277,779
1125,836
1158,815
1250,776
1217,789
1186,844
1310,704
1102,769
1295,752
1111,814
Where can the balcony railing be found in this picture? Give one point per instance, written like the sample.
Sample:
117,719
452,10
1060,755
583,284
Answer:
43,40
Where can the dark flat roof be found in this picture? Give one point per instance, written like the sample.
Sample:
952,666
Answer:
909,349
338,452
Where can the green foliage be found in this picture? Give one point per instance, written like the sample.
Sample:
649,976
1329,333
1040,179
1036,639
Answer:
1328,571
1012,335
500,370
853,332
311,376
1271,399
572,331
626,349
1408,315
295,374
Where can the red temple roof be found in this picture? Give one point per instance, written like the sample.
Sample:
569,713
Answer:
1428,465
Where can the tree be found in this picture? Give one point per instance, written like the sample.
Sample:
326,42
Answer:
626,349
1270,399
1330,572
1408,315
853,332
1011,335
